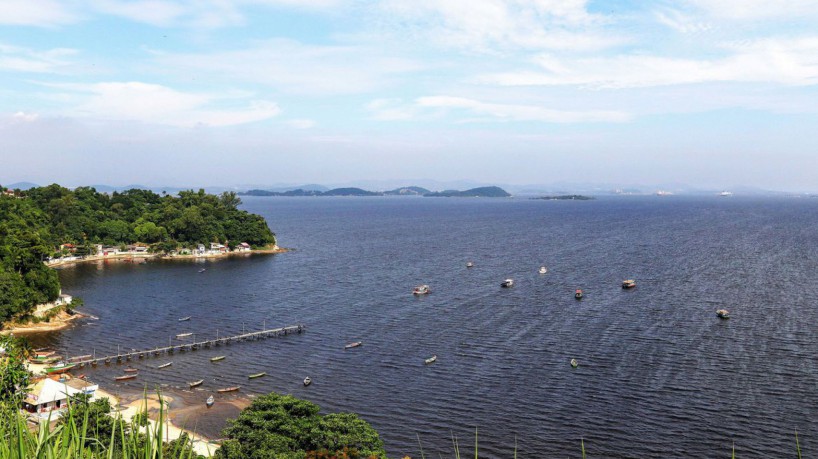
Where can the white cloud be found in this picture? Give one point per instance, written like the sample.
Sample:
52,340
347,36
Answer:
682,22
25,117
789,62
756,9
41,13
301,124
155,104
20,59
472,110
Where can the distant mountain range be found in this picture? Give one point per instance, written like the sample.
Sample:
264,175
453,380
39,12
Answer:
482,192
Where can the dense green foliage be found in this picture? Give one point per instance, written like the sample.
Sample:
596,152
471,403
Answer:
13,372
284,427
35,223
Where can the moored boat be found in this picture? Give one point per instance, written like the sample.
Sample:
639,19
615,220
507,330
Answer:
469,264
723,314
421,290
574,363
578,294
131,370
210,401
124,377
543,270
60,368
257,375
165,365
195,383
351,345
228,389
203,270
184,319
216,359
183,335
307,381
507,283
431,359
628,283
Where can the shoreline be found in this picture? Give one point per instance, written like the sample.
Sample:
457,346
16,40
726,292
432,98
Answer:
61,321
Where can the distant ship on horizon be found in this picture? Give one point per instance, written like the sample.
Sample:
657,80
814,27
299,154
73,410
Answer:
726,193
664,193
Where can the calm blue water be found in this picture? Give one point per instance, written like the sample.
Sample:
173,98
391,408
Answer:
659,374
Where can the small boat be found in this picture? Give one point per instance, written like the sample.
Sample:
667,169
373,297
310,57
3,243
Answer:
203,270
628,283
543,270
578,294
210,401
184,319
44,353
421,290
431,359
469,265
228,389
61,368
131,370
257,375
307,381
124,377
216,359
507,283
183,335
351,345
165,365
723,314
574,363
195,383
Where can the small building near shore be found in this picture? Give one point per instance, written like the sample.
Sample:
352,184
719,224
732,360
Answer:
49,397
243,247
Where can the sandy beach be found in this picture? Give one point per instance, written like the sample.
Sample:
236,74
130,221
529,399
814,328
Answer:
61,321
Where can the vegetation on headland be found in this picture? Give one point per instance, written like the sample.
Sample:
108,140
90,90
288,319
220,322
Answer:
52,221
482,192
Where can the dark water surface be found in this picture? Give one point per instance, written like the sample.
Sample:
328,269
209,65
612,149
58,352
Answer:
659,374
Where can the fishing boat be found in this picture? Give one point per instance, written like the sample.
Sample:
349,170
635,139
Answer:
216,359
507,283
307,381
183,335
431,359
195,383
184,319
628,283
210,401
469,264
124,377
421,290
723,314
44,353
46,360
60,368
131,370
165,365
574,363
257,375
351,345
543,270
228,389
578,294
203,270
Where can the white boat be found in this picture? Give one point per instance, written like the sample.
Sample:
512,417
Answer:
210,401
421,290
628,283
469,265
431,359
183,335
165,365
723,314
184,319
307,381
726,193
203,270
351,345
543,270
574,363
507,283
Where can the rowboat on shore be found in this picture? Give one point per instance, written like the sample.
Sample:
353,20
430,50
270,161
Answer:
216,359
195,383
183,335
210,401
355,344
228,389
124,377
57,369
257,375
165,365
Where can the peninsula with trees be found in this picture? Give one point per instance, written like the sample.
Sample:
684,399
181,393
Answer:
42,224
480,192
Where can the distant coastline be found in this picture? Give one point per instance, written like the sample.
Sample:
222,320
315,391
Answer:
480,192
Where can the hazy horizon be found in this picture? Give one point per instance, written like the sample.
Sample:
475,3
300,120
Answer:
713,95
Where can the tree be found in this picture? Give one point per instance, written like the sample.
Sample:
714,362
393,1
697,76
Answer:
14,376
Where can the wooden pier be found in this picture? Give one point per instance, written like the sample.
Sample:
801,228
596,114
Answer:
81,361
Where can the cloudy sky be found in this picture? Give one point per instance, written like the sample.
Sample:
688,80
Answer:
711,93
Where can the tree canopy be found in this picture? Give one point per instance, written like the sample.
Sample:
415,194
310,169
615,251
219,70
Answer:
284,427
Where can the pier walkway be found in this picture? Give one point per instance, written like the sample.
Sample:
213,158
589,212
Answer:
83,360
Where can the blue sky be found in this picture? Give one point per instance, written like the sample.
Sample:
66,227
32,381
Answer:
713,94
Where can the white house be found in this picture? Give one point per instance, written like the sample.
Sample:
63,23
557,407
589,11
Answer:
243,247
48,395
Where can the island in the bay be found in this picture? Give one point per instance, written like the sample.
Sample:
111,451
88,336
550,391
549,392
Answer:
480,192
